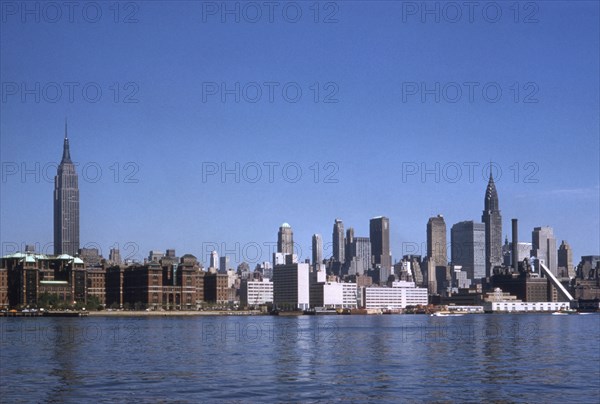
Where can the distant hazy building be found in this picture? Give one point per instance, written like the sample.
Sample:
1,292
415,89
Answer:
66,205
565,260
285,239
436,240
91,256
437,256
338,241
317,249
155,256
468,248
544,247
493,228
223,264
523,251
114,256
379,231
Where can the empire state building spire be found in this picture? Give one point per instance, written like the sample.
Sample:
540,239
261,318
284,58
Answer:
493,227
66,157
66,204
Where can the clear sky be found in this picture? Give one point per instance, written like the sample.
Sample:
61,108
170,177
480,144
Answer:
371,100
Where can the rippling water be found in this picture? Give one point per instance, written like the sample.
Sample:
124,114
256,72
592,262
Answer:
474,358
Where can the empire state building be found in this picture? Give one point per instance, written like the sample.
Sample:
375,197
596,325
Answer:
66,205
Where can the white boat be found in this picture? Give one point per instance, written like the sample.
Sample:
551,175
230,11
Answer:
446,314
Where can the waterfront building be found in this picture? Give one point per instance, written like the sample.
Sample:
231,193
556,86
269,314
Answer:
31,276
399,296
256,293
291,287
216,288
504,302
335,295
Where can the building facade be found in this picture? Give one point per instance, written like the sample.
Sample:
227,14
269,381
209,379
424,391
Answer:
66,205
291,287
544,247
379,231
468,248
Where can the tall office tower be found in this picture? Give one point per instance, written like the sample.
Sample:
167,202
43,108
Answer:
436,240
223,264
66,205
379,229
214,260
544,247
349,245
338,241
437,255
285,239
317,250
361,248
468,248
493,228
565,260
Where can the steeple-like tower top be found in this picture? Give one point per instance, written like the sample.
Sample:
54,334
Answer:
491,196
66,157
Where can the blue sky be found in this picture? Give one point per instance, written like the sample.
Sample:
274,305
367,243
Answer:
367,117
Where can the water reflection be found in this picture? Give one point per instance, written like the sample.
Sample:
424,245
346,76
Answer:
475,358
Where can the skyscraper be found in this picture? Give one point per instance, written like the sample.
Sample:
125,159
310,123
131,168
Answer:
379,230
285,239
544,247
66,204
565,260
436,240
493,228
349,252
214,260
338,241
317,249
468,248
437,256
223,264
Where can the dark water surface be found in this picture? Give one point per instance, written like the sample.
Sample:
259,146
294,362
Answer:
474,358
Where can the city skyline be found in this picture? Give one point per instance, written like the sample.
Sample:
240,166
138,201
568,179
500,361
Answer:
66,183
384,161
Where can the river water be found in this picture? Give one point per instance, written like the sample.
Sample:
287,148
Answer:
393,358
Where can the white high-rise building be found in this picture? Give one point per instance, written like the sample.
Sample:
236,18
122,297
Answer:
214,260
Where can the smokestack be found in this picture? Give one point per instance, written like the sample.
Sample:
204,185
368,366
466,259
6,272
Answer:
515,242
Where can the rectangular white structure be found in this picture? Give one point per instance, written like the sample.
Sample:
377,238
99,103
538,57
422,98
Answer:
512,306
394,298
333,295
254,293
